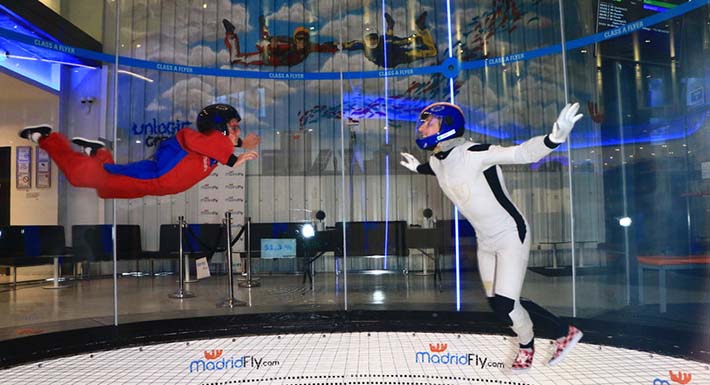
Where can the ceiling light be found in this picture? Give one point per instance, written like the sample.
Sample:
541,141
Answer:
625,222
135,75
68,63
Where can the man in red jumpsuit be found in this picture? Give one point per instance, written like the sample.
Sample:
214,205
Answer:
274,50
179,163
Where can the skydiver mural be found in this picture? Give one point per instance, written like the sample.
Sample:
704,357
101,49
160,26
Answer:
273,50
390,51
503,18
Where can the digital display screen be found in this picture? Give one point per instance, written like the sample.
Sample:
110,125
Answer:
615,13
278,248
650,44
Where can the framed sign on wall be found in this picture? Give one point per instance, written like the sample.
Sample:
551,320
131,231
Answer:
24,167
44,169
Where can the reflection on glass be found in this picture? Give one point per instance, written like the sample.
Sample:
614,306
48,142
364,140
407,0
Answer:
335,95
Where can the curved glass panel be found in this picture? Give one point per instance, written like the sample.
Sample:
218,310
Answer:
56,264
640,215
254,60
326,217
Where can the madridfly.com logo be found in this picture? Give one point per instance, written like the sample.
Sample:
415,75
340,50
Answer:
437,355
214,360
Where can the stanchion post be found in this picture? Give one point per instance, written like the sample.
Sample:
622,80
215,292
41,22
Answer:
230,301
181,292
249,282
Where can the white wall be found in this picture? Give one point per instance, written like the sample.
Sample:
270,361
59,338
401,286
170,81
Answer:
85,14
54,5
82,205
27,105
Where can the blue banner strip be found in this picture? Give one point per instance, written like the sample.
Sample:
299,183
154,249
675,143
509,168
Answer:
385,73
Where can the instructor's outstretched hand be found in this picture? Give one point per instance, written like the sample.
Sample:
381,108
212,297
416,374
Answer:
565,122
409,161
251,141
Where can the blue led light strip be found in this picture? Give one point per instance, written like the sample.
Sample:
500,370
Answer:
447,68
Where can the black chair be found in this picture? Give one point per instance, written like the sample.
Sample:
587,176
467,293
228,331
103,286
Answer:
12,250
374,238
12,244
447,240
32,246
95,243
422,239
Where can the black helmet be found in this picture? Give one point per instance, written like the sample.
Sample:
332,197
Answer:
216,117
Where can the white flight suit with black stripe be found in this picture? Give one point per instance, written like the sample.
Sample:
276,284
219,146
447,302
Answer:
470,176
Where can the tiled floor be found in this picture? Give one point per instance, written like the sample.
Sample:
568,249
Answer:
354,359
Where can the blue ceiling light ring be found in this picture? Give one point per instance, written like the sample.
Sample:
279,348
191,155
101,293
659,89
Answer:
451,67
27,25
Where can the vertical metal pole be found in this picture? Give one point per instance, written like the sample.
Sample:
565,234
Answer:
181,292
249,282
230,301
249,248
342,173
622,163
117,39
569,156
181,254
55,274
452,97
230,278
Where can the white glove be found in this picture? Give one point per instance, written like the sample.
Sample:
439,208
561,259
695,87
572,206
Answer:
563,126
410,161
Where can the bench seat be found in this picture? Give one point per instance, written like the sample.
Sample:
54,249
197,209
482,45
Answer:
663,263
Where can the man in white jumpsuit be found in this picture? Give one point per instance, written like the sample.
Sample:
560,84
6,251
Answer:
470,175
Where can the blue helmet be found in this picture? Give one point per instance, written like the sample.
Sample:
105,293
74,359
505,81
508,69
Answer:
452,124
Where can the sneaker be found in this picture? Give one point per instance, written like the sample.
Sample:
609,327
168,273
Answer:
389,21
421,21
229,27
35,133
564,344
89,146
523,361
